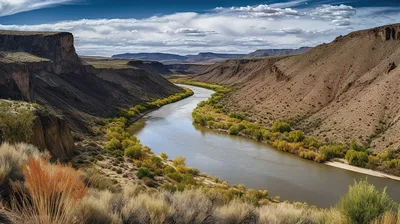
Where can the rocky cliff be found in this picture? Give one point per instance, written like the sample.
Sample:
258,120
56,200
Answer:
44,68
344,90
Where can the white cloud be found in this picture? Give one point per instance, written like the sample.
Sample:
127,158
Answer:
222,30
194,32
339,15
260,11
10,7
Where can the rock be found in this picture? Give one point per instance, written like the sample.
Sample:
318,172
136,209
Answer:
52,133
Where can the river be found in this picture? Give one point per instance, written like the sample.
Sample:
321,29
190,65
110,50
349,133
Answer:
240,160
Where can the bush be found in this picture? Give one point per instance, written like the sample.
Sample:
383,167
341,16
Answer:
234,130
332,151
296,136
144,172
280,126
51,196
237,116
164,155
16,124
134,152
113,144
180,160
364,202
357,158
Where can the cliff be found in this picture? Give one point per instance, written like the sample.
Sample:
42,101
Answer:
44,68
344,90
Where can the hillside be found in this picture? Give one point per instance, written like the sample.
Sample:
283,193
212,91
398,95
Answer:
277,52
44,68
207,57
339,91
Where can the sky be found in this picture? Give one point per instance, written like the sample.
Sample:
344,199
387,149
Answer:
107,27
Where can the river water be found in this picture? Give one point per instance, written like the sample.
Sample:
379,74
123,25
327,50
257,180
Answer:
240,160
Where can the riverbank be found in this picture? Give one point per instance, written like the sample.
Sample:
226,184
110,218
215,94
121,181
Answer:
342,165
282,137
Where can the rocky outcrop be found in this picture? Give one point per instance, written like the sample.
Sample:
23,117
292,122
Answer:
52,133
44,68
390,32
58,47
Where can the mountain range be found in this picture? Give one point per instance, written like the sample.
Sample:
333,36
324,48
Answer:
207,57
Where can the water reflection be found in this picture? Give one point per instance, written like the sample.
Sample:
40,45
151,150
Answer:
240,160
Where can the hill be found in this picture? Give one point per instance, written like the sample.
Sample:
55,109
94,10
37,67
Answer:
207,57
344,90
277,52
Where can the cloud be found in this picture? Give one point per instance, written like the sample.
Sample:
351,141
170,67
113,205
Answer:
194,32
339,15
260,11
10,7
224,30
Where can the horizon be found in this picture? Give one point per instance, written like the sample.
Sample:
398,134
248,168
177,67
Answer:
103,28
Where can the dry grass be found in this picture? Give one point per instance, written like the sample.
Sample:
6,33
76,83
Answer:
191,206
285,213
388,218
146,208
235,212
12,157
51,194
100,207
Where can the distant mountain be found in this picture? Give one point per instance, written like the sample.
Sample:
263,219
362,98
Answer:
207,56
277,52
151,56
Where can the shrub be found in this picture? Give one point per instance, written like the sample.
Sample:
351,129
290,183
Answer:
364,202
144,172
234,130
134,152
52,194
99,207
356,147
113,144
164,155
180,160
191,206
12,157
295,136
16,124
280,126
145,208
237,116
332,151
236,212
357,158
311,142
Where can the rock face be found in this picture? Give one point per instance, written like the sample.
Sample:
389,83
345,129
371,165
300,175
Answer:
58,47
44,68
53,134
344,90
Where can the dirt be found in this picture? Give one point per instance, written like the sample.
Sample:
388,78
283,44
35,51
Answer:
344,90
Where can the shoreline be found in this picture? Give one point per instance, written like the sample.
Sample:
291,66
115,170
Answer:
336,164
357,169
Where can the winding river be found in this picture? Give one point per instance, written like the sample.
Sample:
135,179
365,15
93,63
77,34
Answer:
240,160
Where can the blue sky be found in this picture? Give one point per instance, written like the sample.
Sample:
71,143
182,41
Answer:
105,27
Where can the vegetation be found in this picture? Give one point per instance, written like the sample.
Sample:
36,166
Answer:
55,193
280,135
16,121
364,202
